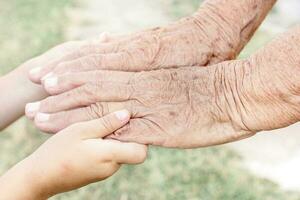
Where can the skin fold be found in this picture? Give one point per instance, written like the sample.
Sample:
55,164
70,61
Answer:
217,32
61,163
186,107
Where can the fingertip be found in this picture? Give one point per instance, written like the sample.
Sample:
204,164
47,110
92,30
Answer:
34,75
104,37
142,154
42,122
51,85
123,116
31,109
132,153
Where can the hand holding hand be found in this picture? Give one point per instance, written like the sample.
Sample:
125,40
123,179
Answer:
73,158
188,107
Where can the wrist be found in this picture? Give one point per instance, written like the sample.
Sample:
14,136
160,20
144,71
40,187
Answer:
18,91
230,24
255,94
21,183
231,103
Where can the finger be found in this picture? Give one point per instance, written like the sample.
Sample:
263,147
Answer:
82,96
103,38
72,58
52,123
74,50
123,153
101,127
140,131
52,57
117,61
60,84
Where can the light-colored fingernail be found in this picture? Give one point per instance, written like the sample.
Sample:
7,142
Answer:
32,108
49,75
35,71
103,37
122,115
42,117
51,82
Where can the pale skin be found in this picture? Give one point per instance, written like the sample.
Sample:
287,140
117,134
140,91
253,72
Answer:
40,175
212,92
208,106
17,90
73,158
217,32
97,96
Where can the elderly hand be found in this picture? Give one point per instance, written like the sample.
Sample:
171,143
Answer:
217,32
73,158
189,107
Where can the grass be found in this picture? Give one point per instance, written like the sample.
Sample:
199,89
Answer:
33,26
27,29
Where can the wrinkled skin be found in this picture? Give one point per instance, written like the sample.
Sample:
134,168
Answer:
217,32
174,111
189,107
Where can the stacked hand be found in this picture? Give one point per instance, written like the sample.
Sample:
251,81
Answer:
184,107
173,82
176,107
217,32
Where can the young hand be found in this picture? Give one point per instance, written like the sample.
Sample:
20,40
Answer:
71,159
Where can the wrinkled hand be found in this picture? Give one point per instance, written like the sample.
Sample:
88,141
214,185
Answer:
189,107
210,36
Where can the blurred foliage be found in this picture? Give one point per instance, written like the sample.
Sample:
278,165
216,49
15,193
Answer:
179,8
169,174
28,28
33,26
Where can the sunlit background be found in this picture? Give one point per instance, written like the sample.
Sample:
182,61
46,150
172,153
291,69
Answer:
263,167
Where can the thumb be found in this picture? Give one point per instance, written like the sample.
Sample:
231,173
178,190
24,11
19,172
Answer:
102,127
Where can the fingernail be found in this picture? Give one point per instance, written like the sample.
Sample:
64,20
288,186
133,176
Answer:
42,117
51,82
103,37
32,108
122,115
47,76
35,71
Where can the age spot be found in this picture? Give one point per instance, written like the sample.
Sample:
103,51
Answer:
172,114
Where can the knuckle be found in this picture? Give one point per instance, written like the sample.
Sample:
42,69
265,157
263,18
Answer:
89,91
95,60
47,104
75,95
65,168
97,110
85,49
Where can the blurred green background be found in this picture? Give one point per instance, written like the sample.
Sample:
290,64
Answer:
30,27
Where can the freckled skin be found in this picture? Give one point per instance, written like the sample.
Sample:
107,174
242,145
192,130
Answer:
227,102
218,31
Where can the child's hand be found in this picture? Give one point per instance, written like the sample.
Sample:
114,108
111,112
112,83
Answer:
78,156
